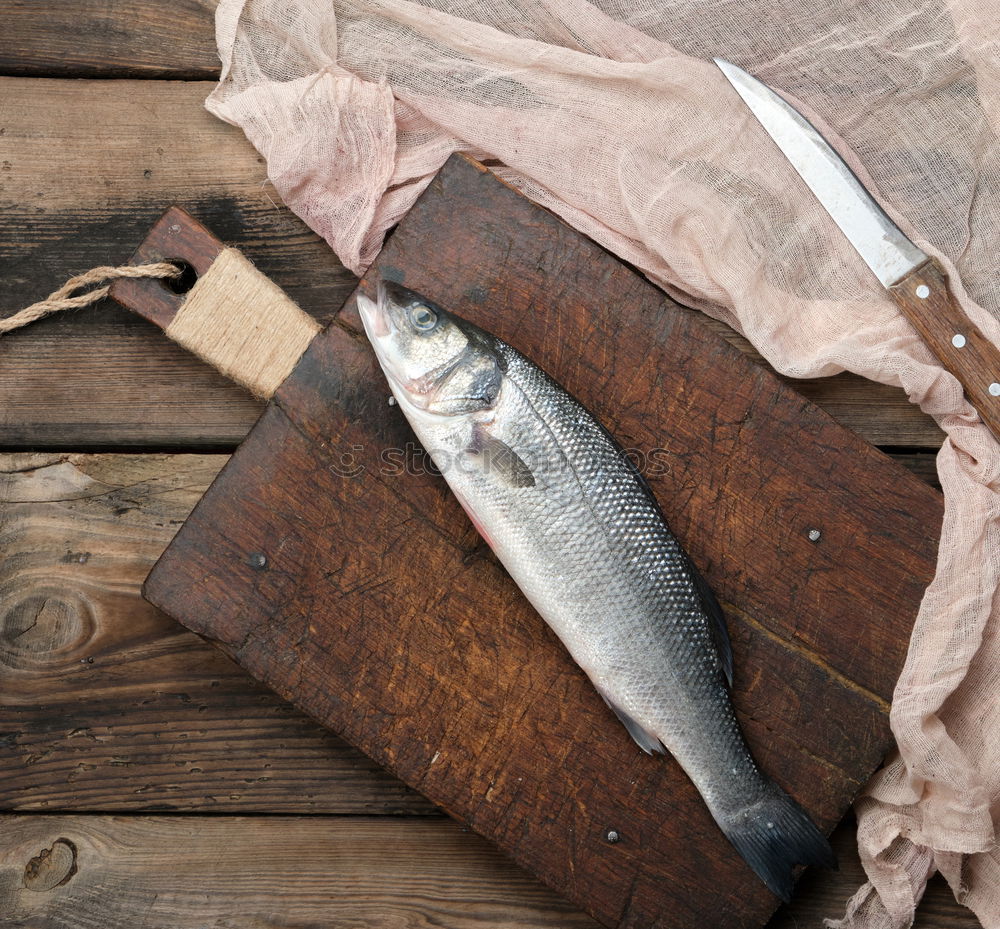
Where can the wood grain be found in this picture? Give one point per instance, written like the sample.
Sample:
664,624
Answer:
86,167
108,704
380,614
280,872
75,192
142,714
335,872
97,38
177,237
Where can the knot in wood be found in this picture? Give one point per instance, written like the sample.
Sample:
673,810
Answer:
44,627
51,867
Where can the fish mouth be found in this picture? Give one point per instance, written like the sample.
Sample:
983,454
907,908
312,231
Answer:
385,318
375,314
386,313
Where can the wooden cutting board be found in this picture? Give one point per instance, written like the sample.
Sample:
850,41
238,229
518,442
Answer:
332,564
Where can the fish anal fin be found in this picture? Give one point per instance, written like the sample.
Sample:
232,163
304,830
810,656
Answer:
648,742
499,459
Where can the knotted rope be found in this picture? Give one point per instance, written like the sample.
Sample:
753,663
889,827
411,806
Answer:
64,298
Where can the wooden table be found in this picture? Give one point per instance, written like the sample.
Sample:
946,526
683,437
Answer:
145,780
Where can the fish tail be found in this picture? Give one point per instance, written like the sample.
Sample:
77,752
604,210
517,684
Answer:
773,834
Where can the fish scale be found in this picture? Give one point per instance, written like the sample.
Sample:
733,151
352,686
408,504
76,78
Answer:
580,532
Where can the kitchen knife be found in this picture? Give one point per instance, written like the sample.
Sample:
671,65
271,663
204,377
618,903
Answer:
916,282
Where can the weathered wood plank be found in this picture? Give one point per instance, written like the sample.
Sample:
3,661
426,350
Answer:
338,872
362,593
877,412
922,464
86,37
85,169
281,872
108,704
97,38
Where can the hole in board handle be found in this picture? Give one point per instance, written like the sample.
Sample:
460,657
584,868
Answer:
187,279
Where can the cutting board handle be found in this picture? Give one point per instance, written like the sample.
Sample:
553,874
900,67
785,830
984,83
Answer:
223,310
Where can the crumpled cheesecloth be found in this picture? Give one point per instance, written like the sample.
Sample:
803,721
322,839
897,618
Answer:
612,115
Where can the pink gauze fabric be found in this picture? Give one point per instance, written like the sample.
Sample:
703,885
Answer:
612,115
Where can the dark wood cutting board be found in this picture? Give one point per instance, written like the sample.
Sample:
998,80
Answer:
333,565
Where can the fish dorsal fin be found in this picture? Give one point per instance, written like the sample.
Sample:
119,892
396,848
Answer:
499,459
648,742
716,623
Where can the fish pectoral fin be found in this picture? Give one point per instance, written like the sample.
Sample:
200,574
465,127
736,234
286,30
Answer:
648,742
498,458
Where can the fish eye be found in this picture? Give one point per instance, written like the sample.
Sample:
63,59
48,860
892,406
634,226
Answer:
423,318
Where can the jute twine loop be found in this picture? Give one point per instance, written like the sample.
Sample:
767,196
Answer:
63,298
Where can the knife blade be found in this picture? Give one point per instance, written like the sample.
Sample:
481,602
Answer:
916,282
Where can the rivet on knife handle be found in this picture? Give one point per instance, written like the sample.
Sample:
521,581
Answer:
924,296
916,283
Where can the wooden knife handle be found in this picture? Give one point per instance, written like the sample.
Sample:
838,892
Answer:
924,296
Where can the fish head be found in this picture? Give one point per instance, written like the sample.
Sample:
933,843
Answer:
435,362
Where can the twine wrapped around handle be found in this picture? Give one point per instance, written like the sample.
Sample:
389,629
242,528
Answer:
231,315
243,324
65,297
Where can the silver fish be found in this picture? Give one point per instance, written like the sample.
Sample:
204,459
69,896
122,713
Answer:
581,534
